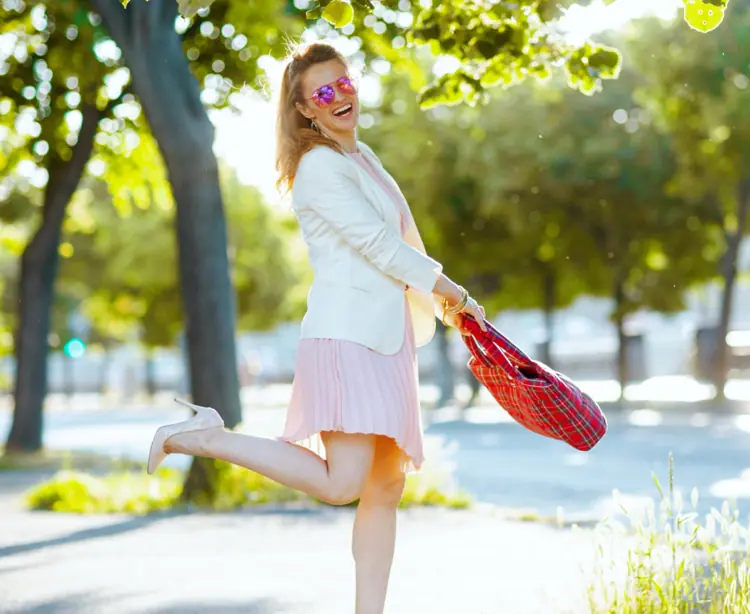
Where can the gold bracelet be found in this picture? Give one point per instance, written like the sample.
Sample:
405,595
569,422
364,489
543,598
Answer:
461,304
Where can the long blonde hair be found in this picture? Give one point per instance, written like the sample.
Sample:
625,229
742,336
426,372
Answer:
294,133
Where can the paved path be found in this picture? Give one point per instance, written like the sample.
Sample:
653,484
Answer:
499,462
293,562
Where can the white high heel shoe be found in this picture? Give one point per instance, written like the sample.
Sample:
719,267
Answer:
205,418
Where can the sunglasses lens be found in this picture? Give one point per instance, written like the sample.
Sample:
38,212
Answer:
346,86
324,96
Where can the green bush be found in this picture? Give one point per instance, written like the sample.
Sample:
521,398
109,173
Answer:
420,490
238,487
674,564
126,491
120,492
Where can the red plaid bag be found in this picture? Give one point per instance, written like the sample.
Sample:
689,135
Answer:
535,396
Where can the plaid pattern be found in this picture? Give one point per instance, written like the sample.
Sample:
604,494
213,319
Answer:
535,396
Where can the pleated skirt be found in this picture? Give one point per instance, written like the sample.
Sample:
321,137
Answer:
346,387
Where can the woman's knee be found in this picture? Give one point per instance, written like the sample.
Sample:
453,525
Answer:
343,493
384,490
350,460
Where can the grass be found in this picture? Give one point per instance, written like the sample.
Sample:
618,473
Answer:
674,564
128,489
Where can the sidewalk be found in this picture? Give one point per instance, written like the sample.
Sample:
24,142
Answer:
268,562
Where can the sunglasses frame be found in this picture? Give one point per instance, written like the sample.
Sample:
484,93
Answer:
334,85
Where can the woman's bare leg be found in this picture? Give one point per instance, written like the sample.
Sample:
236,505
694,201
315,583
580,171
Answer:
339,480
374,537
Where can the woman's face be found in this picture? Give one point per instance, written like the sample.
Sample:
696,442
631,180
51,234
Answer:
330,98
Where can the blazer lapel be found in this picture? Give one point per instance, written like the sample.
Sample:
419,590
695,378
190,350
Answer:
376,194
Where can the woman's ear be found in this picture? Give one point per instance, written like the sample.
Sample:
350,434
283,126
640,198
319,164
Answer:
304,110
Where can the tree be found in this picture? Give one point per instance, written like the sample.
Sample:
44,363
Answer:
470,217
52,106
698,94
121,267
551,195
68,61
608,171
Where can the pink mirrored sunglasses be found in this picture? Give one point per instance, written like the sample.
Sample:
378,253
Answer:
326,94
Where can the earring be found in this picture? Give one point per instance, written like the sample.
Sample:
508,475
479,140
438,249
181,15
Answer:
314,126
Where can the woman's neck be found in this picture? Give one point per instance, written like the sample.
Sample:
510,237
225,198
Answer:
348,142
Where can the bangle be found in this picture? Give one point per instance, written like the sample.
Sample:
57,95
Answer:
460,305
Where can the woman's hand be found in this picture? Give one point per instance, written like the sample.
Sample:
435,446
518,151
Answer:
458,320
453,293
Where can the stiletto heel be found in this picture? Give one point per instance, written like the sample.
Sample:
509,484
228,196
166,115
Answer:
205,418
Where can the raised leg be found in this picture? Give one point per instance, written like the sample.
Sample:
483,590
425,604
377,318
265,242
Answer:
339,480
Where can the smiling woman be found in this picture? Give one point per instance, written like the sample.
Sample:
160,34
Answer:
372,303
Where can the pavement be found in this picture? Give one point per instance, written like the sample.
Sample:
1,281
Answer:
272,562
496,460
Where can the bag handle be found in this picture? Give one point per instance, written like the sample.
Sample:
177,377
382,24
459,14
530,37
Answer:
488,353
494,337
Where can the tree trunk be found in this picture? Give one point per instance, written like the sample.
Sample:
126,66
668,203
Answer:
622,340
36,290
150,373
729,275
445,376
171,101
549,292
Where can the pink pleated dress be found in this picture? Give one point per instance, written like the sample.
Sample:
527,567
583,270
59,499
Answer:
344,386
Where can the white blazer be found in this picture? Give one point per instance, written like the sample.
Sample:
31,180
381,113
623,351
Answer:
362,266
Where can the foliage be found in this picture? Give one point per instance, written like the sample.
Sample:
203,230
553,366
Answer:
120,268
675,563
58,57
133,492
497,43
519,195
136,493
122,492
698,96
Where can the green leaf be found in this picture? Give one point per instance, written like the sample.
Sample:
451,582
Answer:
339,13
607,61
314,13
451,90
706,15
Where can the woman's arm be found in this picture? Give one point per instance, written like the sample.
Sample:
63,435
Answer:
323,185
447,289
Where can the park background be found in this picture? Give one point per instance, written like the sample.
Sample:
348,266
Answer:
593,196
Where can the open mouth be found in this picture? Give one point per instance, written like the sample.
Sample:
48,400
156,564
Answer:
344,110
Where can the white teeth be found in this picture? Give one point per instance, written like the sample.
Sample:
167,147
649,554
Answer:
342,110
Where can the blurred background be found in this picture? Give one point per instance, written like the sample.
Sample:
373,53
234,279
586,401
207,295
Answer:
580,167
596,203
593,196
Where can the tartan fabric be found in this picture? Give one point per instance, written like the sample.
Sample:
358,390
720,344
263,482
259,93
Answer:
538,398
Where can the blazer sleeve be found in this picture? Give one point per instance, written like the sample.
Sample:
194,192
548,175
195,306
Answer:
325,185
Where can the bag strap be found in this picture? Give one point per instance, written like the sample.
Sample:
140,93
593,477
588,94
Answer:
486,351
493,338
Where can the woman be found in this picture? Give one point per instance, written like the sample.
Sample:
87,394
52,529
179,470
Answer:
370,306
